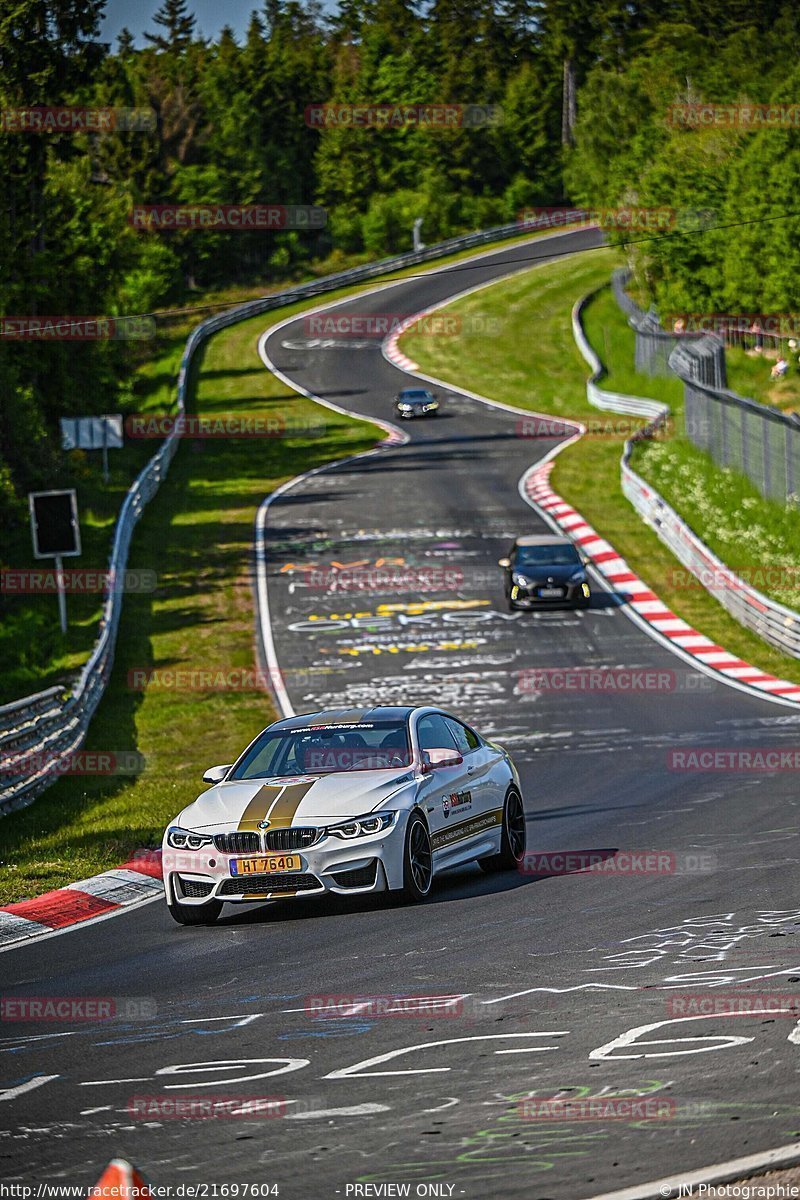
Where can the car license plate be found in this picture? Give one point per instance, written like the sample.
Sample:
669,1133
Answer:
547,593
264,866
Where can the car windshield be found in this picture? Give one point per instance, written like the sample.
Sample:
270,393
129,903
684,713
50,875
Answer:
415,395
555,555
325,750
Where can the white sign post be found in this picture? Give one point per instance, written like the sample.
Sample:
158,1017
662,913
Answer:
56,534
93,433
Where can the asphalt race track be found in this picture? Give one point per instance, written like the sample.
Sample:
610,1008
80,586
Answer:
568,985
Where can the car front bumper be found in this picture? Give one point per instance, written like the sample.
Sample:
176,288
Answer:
356,866
571,595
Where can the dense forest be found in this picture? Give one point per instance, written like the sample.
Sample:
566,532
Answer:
583,89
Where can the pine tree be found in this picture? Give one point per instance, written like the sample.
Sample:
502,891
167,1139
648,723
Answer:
179,26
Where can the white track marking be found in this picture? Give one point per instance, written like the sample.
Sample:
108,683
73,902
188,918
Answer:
724,1172
232,1064
107,1082
356,1071
723,1041
11,1093
355,1110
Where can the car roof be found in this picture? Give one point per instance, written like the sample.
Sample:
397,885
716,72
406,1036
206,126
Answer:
346,716
415,392
543,539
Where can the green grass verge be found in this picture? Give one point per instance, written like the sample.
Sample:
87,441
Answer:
197,532
533,363
749,375
33,652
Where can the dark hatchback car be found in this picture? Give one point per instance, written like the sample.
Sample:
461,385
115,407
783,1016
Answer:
416,402
545,570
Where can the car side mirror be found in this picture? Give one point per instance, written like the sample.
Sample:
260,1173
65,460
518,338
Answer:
216,774
504,562
440,756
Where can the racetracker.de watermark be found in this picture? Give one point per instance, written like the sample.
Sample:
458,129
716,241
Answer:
385,579
48,119
734,116
628,219
209,679
718,578
386,115
227,216
617,862
338,1007
701,1004
597,1108
205,1108
27,583
76,329
360,325
611,427
80,762
727,324
76,1008
611,679
718,758
221,425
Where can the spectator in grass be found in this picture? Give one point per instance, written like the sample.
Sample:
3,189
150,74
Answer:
780,368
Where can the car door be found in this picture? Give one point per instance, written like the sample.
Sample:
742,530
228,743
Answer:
440,787
483,784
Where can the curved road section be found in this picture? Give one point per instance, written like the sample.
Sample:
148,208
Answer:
571,1032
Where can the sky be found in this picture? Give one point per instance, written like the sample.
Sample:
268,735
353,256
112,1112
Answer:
211,16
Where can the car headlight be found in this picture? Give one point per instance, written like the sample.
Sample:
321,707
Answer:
577,577
519,579
184,839
362,826
585,590
406,407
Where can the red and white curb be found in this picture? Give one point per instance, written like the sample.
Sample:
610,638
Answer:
642,600
392,351
130,885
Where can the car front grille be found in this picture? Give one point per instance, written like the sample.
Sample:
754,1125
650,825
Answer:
237,843
362,877
195,887
261,884
290,839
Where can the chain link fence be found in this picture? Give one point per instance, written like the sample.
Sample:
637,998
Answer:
760,442
754,439
654,345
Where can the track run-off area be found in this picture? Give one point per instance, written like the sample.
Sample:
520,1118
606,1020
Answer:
576,986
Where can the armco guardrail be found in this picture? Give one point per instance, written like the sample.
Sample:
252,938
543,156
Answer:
637,406
774,622
39,733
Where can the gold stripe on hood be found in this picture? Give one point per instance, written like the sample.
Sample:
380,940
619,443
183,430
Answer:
276,803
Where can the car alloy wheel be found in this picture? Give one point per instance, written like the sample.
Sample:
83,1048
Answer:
417,860
512,838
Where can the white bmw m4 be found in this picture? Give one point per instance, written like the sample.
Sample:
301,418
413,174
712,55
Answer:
346,802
